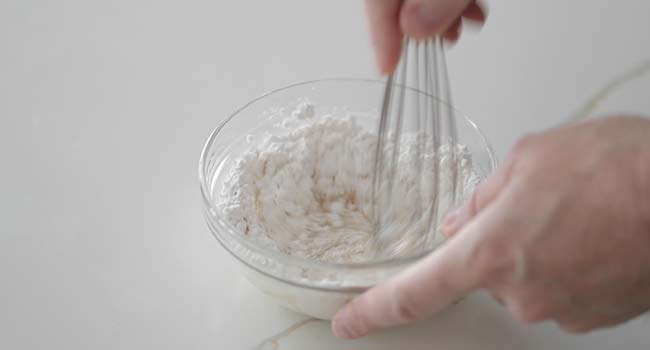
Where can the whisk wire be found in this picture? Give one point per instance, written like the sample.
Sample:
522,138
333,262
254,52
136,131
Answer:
399,123
451,120
430,83
381,140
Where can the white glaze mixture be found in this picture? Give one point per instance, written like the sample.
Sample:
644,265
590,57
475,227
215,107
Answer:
307,193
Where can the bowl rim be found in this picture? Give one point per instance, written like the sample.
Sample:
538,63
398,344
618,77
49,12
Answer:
283,258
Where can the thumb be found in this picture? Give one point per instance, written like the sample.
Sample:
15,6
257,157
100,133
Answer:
424,288
423,19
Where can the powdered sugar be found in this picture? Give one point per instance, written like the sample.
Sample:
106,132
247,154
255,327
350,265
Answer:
307,192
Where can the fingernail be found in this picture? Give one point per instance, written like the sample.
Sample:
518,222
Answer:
339,325
450,219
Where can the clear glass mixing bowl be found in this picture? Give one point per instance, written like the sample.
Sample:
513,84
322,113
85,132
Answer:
310,287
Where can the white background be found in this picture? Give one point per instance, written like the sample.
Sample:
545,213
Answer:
105,107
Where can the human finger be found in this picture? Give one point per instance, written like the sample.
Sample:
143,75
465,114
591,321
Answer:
424,19
452,34
386,35
428,286
475,12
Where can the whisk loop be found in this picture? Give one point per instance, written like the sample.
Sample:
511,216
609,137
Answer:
411,225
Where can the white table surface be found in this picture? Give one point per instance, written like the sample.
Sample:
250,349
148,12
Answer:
105,107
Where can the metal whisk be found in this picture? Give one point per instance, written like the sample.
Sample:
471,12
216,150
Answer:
416,122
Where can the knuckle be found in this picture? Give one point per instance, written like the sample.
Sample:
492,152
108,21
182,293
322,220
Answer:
407,307
491,261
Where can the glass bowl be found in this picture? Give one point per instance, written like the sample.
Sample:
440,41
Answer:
309,287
